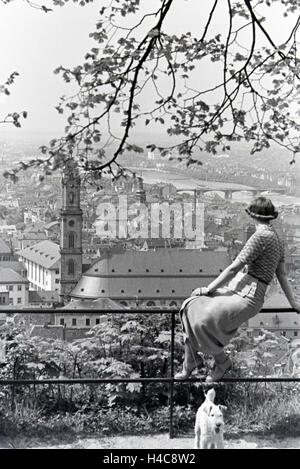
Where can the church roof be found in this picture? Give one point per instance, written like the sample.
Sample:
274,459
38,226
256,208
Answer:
46,253
166,273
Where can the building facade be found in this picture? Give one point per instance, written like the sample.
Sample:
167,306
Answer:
16,286
42,262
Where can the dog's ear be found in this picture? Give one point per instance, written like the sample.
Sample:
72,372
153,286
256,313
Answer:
210,395
222,408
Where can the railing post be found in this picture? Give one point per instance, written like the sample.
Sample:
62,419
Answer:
171,429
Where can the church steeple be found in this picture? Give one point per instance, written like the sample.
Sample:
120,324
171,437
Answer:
71,231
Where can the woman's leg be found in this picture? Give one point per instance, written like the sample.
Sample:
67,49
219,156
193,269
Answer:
221,357
222,364
191,361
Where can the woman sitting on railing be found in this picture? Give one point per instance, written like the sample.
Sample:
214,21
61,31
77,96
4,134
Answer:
212,315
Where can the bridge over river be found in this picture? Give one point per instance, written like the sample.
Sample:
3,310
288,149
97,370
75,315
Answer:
229,188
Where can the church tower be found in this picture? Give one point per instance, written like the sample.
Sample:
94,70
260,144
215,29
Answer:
71,231
140,191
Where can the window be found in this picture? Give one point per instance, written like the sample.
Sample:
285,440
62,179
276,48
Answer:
57,271
87,322
57,280
19,300
71,267
74,322
11,301
71,240
11,287
295,333
97,321
284,333
19,287
150,303
123,303
62,321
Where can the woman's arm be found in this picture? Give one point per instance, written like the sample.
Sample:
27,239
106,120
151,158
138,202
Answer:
286,287
223,278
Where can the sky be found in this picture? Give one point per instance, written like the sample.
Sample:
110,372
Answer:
34,44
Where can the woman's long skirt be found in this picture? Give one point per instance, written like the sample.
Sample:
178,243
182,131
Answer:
210,322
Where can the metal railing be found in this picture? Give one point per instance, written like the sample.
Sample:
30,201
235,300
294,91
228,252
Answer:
170,380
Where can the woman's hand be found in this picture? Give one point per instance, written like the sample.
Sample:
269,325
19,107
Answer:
200,291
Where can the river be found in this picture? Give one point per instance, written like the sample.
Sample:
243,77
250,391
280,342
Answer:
181,181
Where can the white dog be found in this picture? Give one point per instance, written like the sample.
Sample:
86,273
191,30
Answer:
209,425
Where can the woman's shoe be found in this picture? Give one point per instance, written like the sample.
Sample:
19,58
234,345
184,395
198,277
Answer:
187,369
218,371
185,373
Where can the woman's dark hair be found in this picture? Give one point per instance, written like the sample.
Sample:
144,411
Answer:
262,208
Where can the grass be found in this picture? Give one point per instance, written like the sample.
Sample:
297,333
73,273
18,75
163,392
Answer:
257,410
